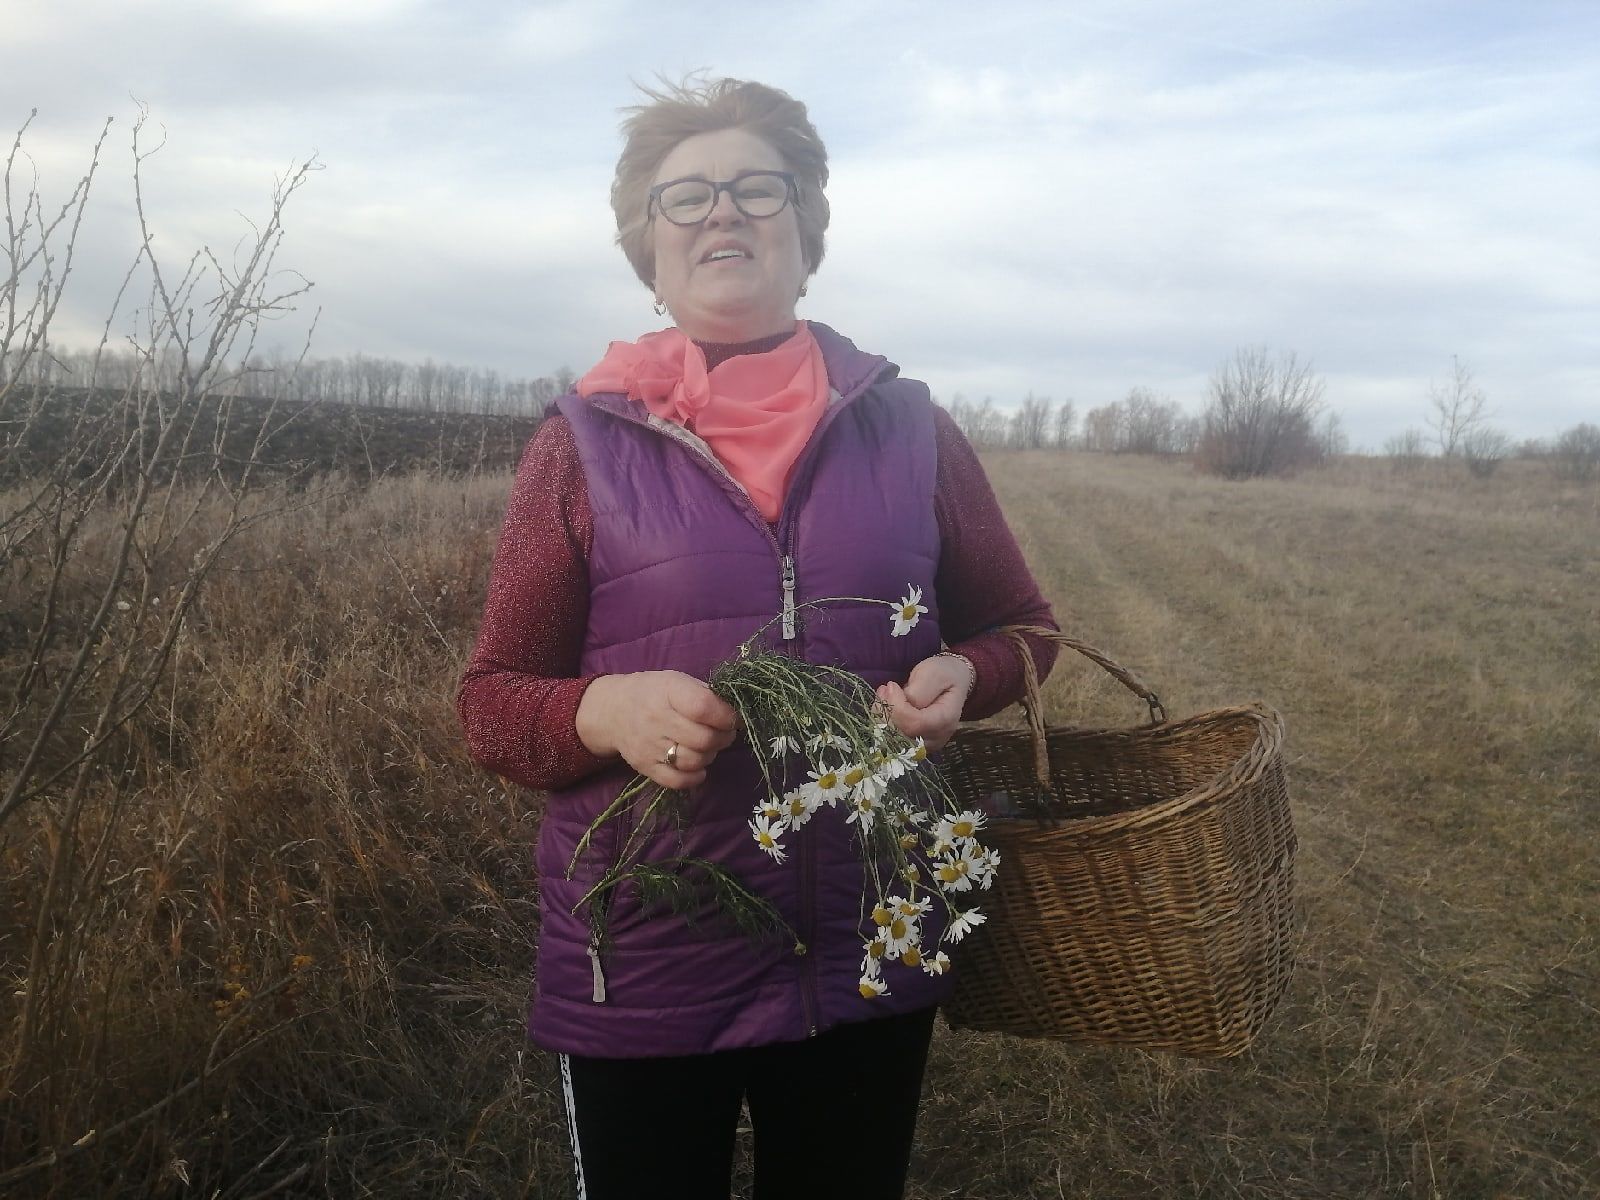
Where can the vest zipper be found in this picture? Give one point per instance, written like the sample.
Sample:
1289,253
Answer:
599,995
788,598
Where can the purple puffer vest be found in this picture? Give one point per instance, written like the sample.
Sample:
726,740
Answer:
683,568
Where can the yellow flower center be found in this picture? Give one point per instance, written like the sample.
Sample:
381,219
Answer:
797,807
918,754
962,828
911,957
766,839
881,915
876,948
868,992
908,613
897,929
829,781
855,775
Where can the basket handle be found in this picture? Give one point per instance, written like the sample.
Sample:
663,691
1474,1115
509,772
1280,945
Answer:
1033,705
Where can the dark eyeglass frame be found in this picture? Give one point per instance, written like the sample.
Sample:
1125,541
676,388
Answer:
791,195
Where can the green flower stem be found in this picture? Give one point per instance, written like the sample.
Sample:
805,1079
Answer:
635,786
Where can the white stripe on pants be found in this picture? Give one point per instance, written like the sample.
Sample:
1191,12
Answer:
572,1124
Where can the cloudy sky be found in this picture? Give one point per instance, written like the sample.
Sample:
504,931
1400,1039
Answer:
1066,198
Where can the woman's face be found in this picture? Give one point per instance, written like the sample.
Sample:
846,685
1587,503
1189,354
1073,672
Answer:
735,298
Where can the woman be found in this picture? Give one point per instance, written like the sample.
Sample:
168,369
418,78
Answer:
696,484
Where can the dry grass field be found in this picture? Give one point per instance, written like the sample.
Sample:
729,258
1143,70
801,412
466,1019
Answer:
316,906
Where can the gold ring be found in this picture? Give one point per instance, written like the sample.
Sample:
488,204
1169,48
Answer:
672,756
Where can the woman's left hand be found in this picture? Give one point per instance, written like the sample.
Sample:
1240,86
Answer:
929,705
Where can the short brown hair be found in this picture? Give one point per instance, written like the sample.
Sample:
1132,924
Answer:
682,110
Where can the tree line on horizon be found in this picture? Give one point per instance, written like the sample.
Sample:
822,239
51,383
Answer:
1267,415
1263,415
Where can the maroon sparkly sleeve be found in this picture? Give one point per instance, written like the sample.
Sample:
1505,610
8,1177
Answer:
518,700
983,581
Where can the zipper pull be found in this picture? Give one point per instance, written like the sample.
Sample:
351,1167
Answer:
788,598
599,996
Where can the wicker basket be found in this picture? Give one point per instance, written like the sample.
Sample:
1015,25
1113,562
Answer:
1148,899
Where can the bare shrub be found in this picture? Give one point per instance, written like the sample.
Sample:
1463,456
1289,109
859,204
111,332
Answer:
1140,423
1066,417
106,546
1456,408
1532,449
1031,421
1405,451
1484,449
1575,457
1332,441
983,424
1261,416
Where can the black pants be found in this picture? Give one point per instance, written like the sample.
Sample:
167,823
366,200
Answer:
833,1116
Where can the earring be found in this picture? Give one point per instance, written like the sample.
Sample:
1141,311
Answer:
660,306
802,290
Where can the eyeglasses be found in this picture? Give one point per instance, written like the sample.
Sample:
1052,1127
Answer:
756,194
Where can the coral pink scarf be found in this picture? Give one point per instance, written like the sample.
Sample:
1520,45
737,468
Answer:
755,411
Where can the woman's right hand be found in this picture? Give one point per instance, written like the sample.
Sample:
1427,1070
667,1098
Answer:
641,714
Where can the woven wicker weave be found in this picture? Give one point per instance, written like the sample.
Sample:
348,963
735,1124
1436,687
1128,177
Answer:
1149,902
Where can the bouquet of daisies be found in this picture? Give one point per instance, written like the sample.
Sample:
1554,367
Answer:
921,853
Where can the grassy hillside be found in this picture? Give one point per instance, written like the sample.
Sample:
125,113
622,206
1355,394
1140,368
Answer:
308,859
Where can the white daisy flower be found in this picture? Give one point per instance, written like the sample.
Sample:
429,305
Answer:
954,871
827,740
767,834
961,828
827,783
914,754
899,935
887,766
984,865
963,924
937,965
862,782
909,908
771,808
894,813
872,960
907,612
872,986
798,805
784,744
863,812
